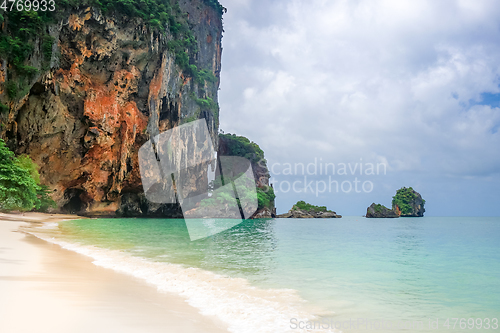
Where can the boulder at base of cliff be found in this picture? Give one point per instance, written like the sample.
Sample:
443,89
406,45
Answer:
136,205
380,211
264,213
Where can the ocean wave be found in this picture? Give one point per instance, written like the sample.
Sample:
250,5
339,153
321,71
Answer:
243,307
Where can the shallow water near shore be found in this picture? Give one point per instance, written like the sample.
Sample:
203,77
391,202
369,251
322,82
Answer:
275,275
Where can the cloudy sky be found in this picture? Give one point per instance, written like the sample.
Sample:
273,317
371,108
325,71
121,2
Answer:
413,85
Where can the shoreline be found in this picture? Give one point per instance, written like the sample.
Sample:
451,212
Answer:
30,217
63,291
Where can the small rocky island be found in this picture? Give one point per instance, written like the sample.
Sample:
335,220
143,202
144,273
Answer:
380,211
303,210
406,203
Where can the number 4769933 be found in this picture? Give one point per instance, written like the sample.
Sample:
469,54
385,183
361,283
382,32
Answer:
27,5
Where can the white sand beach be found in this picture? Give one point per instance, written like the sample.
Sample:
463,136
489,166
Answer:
44,288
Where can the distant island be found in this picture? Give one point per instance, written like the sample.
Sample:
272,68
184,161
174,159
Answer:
303,210
380,211
406,203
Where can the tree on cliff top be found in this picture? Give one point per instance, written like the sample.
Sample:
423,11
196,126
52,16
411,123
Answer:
20,187
404,198
243,147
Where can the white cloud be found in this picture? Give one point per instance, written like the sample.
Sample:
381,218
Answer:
394,80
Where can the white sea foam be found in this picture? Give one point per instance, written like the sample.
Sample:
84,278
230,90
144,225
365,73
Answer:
244,308
48,225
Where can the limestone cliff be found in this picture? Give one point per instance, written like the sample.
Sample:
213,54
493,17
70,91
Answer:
98,86
233,145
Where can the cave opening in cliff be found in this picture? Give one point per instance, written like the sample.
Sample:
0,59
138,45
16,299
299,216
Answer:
75,203
169,110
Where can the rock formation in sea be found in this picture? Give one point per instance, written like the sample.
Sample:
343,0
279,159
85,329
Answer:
409,202
380,211
83,89
233,145
406,203
303,210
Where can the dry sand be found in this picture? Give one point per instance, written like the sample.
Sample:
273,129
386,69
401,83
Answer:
44,288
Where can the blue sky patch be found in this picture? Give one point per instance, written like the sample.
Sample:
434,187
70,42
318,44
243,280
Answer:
488,99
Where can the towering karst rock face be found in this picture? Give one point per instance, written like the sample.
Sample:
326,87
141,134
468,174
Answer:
111,84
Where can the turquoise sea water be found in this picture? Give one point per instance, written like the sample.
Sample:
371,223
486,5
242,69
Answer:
407,270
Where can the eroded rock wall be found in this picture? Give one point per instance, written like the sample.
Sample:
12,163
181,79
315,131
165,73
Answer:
111,86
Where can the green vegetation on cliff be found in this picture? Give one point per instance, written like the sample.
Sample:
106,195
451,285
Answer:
205,104
222,196
403,199
302,205
265,197
234,145
25,29
380,208
216,5
17,43
244,186
243,147
167,14
380,211
20,187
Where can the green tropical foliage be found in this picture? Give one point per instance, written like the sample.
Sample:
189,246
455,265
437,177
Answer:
202,75
302,205
265,197
3,108
44,200
241,146
17,187
206,103
223,195
403,198
23,28
20,187
216,5
244,186
27,164
379,208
